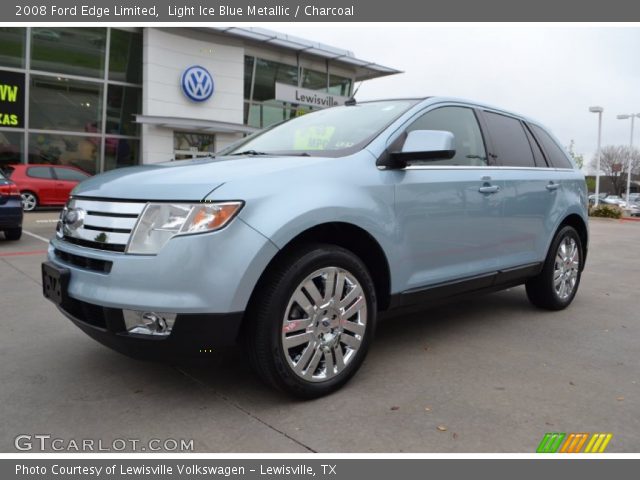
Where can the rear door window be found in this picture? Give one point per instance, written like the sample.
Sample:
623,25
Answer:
509,140
555,154
40,172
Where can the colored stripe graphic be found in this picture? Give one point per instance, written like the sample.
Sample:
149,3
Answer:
598,443
558,442
550,442
574,443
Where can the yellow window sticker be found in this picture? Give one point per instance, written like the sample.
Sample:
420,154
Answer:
313,138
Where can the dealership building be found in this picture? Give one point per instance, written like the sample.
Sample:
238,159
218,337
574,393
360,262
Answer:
104,98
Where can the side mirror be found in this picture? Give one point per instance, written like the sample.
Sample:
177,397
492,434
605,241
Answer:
424,145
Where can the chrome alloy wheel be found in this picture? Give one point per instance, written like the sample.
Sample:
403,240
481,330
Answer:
566,268
324,324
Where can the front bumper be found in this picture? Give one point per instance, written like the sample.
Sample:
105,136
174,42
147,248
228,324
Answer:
192,334
196,274
205,279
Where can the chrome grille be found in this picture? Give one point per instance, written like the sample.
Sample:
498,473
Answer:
99,224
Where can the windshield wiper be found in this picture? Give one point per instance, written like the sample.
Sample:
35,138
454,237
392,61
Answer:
250,152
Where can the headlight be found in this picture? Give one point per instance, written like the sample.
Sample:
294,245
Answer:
160,222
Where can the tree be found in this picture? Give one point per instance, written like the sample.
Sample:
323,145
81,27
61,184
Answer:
613,164
578,158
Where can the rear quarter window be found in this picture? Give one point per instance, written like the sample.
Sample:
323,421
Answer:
556,155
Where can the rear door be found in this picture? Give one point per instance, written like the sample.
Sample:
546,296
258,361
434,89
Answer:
40,180
448,211
530,190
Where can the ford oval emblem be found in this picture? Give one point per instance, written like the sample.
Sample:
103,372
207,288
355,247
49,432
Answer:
197,83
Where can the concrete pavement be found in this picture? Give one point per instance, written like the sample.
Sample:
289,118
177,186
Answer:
488,374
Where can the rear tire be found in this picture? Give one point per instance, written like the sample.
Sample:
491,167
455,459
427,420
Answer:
556,286
29,201
13,233
312,320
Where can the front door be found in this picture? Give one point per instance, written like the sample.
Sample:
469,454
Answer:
449,211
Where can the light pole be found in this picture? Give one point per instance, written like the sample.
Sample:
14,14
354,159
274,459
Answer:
624,117
599,111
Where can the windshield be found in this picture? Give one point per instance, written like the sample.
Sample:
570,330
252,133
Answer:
332,132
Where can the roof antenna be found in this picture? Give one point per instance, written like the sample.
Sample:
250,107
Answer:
352,99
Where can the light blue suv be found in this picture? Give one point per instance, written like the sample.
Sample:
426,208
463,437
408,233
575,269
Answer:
293,241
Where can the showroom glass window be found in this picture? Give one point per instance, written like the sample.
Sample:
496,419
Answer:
339,85
193,145
261,109
75,51
12,45
11,147
84,90
59,103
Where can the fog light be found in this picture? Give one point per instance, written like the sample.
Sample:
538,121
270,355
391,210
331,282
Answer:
148,323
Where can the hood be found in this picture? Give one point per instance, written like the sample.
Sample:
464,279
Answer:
185,180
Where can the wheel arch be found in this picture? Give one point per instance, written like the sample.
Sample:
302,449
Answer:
348,236
577,222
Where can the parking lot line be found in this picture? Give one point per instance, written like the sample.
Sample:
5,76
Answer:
46,240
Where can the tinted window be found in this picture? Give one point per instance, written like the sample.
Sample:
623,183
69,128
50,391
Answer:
463,124
70,175
537,152
555,154
39,172
509,140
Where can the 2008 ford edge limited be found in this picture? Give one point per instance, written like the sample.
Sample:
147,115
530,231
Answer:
292,241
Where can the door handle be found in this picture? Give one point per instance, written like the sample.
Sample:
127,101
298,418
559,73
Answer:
489,189
551,186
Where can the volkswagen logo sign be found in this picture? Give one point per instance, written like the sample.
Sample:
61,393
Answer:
197,83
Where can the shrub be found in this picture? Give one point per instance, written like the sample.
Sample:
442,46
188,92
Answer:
605,211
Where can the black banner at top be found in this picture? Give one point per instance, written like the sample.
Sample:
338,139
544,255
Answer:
181,11
11,99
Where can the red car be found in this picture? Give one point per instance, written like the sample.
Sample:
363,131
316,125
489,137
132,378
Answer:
42,185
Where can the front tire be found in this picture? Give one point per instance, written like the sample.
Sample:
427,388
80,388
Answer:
556,286
312,321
